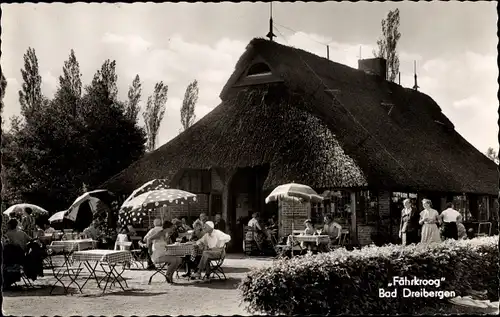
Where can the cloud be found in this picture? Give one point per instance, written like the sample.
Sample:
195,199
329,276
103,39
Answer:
464,85
135,43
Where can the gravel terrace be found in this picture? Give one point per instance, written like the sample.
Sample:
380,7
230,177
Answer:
159,298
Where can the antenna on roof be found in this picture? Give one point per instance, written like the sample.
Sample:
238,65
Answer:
271,35
415,71
328,51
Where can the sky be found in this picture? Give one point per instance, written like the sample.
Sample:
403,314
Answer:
453,44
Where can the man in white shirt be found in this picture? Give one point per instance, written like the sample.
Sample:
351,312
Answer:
213,247
449,218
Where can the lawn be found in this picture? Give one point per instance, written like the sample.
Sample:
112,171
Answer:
159,298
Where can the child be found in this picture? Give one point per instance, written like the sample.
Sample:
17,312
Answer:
122,237
309,231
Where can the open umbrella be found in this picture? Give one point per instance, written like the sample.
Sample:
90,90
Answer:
303,192
21,208
136,209
295,193
154,184
58,216
92,199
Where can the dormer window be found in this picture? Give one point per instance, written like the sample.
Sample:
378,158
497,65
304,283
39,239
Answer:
258,70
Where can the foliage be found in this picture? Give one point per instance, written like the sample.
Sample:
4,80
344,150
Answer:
74,140
153,115
188,104
493,155
388,43
134,97
343,282
30,95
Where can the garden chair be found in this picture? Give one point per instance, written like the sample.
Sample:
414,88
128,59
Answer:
216,266
484,229
160,268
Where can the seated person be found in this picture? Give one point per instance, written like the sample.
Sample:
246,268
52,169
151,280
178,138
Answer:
462,232
48,229
158,243
198,233
213,245
185,225
220,224
16,236
332,229
309,231
91,232
157,227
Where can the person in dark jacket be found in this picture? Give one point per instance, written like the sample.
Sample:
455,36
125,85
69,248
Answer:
220,224
409,226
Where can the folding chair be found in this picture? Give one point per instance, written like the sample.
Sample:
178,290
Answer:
138,254
123,245
160,268
216,265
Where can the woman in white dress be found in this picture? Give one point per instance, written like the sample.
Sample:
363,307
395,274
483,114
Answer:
429,219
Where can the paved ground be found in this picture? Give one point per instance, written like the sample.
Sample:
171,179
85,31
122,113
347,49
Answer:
159,298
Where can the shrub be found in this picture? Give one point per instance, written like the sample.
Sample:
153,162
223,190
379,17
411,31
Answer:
348,282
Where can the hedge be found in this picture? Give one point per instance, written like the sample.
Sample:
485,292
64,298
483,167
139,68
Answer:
348,282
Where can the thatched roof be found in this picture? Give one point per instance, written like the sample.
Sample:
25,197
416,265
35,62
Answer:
367,131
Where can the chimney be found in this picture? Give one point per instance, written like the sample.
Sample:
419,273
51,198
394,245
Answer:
374,66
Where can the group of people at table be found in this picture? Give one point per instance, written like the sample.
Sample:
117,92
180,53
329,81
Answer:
260,233
207,236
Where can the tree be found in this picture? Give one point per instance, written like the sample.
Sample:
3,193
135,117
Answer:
107,76
70,85
492,155
30,95
114,140
188,104
388,42
153,115
48,160
134,96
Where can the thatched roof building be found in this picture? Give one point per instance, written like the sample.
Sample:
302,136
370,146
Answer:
314,121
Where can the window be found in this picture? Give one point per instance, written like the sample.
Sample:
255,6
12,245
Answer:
258,69
367,207
196,181
337,204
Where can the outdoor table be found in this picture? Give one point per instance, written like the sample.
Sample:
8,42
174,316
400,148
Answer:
76,245
184,249
105,258
319,239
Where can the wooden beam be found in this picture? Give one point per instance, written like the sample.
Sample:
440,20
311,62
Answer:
354,226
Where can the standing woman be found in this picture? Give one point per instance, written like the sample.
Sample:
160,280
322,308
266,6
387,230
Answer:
429,219
408,228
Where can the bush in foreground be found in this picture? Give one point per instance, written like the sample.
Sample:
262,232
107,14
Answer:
348,282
